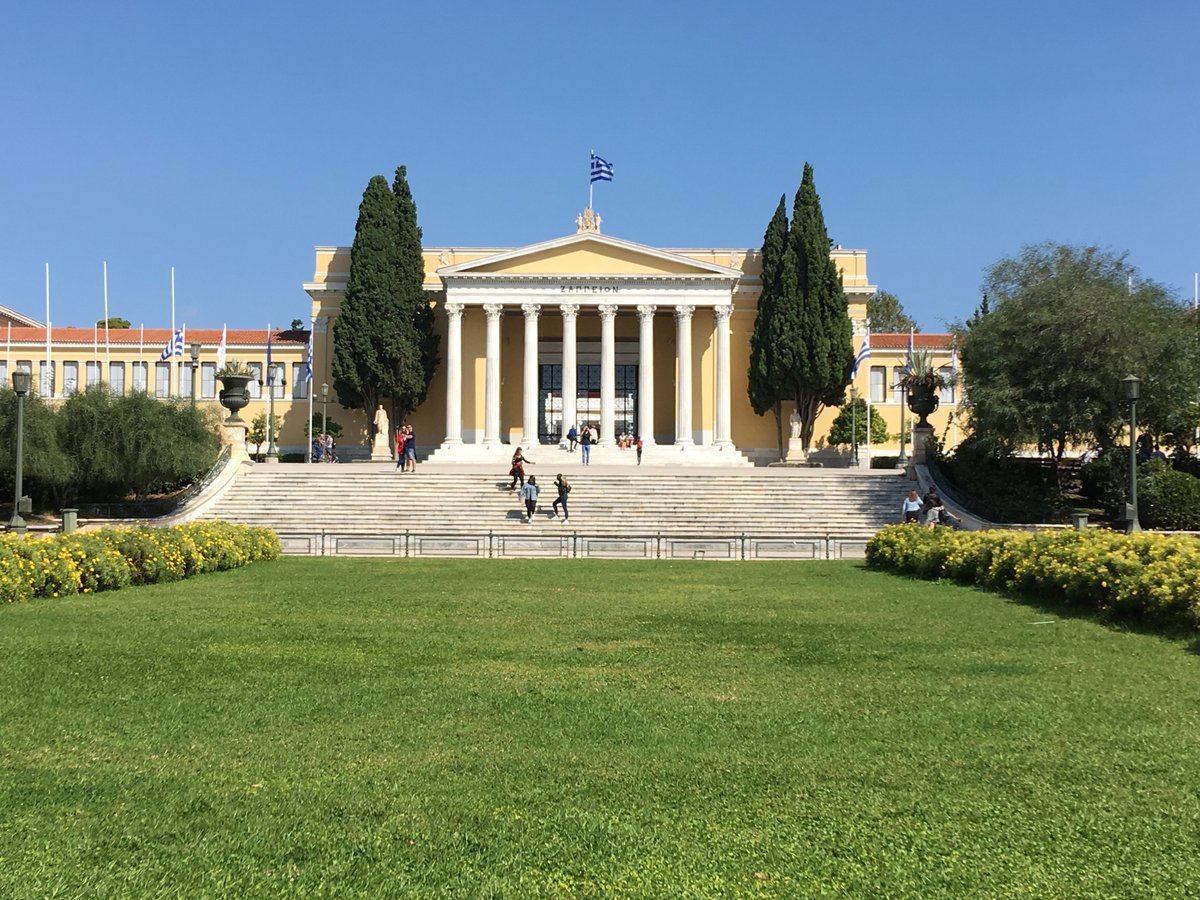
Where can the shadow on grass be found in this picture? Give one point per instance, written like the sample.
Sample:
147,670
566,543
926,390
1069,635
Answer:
1176,632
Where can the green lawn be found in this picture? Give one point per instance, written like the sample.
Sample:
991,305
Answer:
390,728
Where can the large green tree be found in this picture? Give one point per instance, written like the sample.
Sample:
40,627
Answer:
1066,324
886,314
848,423
814,341
762,382
384,345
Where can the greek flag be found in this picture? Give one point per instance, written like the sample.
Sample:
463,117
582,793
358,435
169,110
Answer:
908,359
954,359
270,368
308,367
602,169
174,346
863,355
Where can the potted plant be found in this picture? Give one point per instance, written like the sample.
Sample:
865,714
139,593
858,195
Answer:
235,377
923,382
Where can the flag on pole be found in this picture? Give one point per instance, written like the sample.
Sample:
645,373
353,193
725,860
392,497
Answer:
174,346
270,371
308,366
863,355
954,359
908,359
602,169
221,350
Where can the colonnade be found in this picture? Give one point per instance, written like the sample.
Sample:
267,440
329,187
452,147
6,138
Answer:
493,312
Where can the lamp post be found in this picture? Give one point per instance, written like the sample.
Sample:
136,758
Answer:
195,366
1133,390
902,459
272,379
22,378
854,426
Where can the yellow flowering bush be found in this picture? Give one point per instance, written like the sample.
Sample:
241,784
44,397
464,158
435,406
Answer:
63,565
1150,576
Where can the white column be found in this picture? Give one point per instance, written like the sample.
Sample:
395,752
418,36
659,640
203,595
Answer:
608,374
683,378
721,427
491,412
570,386
454,314
529,410
645,424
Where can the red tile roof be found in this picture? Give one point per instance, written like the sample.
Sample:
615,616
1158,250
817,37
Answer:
156,337
881,341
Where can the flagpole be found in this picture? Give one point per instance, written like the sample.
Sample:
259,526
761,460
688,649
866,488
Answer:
172,371
46,381
271,453
868,339
142,357
309,387
106,341
591,184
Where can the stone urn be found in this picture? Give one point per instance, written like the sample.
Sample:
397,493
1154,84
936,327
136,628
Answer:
234,396
922,400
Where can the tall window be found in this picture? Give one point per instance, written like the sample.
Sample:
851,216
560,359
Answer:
208,380
46,378
140,383
897,374
255,385
27,365
162,380
947,393
91,373
299,385
185,382
878,384
70,378
277,380
4,382
116,377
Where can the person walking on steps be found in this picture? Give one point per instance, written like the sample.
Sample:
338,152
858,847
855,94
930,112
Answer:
564,488
910,509
585,445
400,449
572,438
639,448
410,450
518,469
529,493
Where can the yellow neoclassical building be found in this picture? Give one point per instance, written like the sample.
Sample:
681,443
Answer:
598,331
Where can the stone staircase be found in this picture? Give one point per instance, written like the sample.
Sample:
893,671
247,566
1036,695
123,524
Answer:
370,505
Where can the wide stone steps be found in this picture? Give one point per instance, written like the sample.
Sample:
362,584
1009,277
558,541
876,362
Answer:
364,499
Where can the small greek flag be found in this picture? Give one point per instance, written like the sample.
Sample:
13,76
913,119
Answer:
863,355
270,368
602,169
954,358
174,346
908,359
308,367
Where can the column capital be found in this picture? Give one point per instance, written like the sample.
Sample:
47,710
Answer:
684,312
569,310
454,309
646,312
493,310
722,312
531,310
607,311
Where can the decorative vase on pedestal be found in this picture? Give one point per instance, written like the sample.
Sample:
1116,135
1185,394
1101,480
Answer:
234,396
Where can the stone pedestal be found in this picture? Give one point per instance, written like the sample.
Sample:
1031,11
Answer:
795,452
922,435
380,451
234,437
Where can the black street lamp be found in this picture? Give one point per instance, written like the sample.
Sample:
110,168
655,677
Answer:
1133,390
22,379
195,366
854,426
324,406
273,378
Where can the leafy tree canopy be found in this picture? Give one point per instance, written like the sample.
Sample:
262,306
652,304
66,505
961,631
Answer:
840,433
886,314
113,322
1043,366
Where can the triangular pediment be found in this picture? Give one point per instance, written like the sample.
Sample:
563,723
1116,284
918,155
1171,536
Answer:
585,254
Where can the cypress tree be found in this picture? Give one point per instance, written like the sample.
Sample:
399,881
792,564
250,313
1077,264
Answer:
412,356
818,337
762,387
366,322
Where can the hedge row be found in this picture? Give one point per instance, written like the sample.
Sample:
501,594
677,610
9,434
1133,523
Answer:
106,560
1152,577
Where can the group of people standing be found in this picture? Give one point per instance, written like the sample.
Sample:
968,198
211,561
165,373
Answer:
324,448
588,437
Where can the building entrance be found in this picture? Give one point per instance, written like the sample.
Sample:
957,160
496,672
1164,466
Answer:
587,400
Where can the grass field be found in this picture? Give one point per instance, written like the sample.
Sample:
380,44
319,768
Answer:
392,728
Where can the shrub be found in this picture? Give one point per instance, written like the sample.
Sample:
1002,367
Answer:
1152,577
106,560
1168,499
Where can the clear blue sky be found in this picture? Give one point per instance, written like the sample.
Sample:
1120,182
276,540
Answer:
228,139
